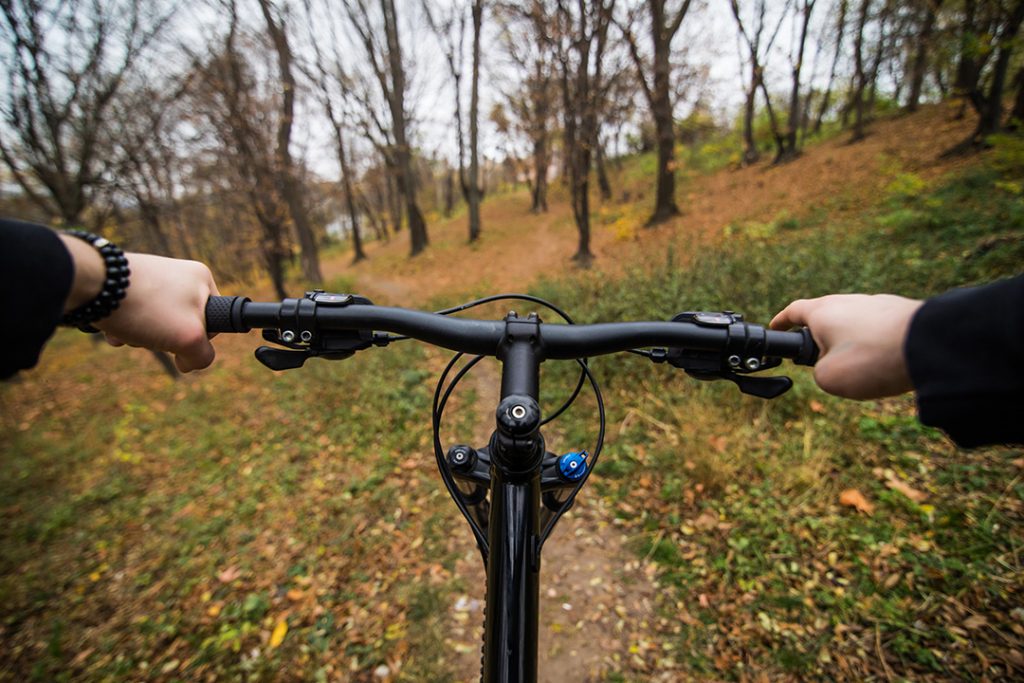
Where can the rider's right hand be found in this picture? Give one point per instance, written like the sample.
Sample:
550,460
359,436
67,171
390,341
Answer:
861,339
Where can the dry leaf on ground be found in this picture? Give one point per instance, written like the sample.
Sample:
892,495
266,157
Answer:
907,490
855,499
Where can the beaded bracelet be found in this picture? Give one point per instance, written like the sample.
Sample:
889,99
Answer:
115,284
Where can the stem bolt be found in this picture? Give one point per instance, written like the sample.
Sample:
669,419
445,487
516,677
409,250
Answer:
753,364
288,336
306,336
518,412
734,361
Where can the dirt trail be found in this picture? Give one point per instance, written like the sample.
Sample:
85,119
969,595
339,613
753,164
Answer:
597,599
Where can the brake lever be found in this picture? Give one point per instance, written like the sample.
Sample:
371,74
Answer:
762,387
710,366
301,339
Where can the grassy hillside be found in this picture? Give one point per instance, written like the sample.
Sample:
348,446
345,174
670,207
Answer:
244,525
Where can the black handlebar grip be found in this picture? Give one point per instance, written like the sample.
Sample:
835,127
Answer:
809,349
224,314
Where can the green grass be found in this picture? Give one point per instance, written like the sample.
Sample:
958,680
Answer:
806,582
168,533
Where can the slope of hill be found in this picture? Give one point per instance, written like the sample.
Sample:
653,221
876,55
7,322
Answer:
517,246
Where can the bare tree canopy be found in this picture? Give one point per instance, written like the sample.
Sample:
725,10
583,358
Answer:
60,88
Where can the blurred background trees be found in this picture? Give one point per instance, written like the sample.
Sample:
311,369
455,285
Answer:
251,133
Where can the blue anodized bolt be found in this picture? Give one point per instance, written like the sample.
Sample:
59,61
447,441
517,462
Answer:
573,465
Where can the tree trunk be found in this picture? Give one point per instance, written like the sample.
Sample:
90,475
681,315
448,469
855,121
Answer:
448,191
920,65
273,254
405,179
150,215
394,199
350,203
539,196
603,184
291,189
789,148
665,206
1017,115
968,68
751,154
826,98
990,117
540,101
474,194
860,75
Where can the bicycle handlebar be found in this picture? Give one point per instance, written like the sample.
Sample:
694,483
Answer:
483,337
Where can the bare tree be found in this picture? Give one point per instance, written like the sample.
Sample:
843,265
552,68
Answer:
472,188
146,152
860,77
582,37
66,63
789,145
826,99
450,28
532,103
1004,26
291,190
922,51
225,93
331,83
757,56
385,62
663,25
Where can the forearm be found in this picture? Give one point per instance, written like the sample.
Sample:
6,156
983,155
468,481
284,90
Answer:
36,272
965,353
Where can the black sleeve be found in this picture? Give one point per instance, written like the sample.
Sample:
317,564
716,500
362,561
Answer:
36,272
965,353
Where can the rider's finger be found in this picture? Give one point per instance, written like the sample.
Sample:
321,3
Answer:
793,315
197,353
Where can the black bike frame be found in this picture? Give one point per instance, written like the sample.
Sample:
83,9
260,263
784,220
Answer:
513,558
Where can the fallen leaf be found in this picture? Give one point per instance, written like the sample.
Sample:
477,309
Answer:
295,594
707,520
904,488
228,575
855,499
277,637
817,407
975,622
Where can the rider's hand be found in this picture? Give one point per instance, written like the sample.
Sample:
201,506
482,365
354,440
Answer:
164,308
861,339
